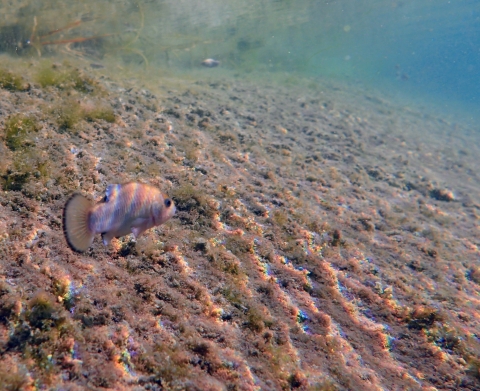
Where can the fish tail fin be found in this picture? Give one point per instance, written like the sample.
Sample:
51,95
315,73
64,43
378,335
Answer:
76,228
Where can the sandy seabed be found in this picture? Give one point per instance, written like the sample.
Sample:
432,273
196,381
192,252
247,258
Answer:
326,238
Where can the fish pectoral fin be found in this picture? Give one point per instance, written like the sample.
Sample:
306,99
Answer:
136,231
139,226
107,237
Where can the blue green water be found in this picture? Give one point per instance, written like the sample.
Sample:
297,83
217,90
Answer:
426,51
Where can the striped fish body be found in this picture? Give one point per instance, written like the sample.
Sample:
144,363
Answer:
127,208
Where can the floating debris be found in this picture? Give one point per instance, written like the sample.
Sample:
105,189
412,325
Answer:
210,63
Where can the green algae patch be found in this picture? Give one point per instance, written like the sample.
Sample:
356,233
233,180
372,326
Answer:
474,367
280,218
42,311
67,115
13,378
424,318
18,131
48,76
187,196
71,112
193,206
101,112
14,181
153,363
42,335
27,163
11,81
65,78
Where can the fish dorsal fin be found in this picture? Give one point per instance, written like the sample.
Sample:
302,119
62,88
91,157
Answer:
110,192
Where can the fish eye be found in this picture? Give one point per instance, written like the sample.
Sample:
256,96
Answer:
168,202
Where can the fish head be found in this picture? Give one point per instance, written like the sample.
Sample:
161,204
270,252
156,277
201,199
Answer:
163,209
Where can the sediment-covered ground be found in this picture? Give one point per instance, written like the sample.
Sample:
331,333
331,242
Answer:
326,238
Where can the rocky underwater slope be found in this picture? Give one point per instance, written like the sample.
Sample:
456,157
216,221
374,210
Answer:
325,238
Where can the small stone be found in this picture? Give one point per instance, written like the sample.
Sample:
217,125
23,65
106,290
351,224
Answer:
442,195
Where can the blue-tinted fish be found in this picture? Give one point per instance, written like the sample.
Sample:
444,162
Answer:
128,208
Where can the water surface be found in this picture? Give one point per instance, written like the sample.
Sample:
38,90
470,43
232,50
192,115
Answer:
427,53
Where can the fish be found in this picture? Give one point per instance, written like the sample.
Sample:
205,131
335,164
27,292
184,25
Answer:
129,208
210,63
